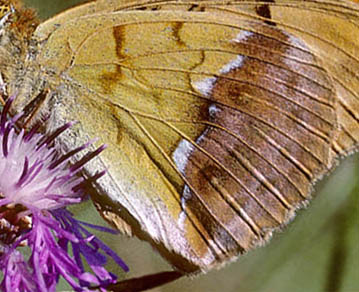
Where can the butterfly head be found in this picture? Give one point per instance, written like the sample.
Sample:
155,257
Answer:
17,25
18,18
6,10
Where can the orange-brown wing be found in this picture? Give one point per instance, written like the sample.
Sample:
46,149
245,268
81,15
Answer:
218,123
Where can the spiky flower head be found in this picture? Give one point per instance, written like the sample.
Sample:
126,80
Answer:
36,186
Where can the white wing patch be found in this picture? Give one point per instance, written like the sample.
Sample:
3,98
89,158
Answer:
244,34
181,154
235,64
205,86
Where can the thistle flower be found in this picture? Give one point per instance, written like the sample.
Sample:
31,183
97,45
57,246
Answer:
36,186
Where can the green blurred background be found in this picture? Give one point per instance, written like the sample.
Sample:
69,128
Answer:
319,251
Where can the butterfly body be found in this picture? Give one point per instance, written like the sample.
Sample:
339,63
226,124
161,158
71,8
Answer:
218,119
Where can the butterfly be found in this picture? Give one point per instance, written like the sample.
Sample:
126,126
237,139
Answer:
219,116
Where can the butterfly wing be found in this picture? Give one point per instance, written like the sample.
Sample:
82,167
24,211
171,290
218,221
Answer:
217,122
334,40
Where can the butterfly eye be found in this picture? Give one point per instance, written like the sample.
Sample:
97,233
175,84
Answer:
5,12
